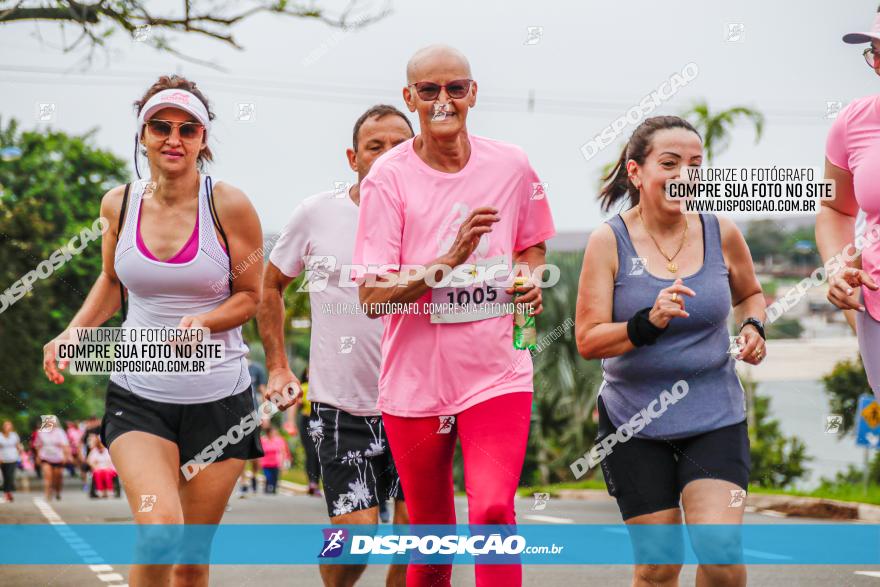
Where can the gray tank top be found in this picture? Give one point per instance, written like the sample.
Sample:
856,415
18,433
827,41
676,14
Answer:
693,349
160,294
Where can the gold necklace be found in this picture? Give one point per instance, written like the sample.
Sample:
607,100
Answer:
671,266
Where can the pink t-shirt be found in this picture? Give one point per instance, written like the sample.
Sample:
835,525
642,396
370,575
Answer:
74,436
854,144
409,215
50,443
275,451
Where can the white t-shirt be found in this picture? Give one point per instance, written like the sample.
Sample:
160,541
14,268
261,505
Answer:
9,448
345,355
100,459
50,445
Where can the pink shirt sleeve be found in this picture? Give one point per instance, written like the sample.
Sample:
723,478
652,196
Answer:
535,223
835,145
293,244
380,226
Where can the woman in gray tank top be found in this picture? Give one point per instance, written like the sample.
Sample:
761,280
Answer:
655,293
177,440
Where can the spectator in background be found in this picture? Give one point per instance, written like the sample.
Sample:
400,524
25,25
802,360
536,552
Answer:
32,448
103,471
276,454
92,435
74,437
10,448
27,468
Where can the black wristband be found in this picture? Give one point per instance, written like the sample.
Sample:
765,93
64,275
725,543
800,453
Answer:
641,331
759,326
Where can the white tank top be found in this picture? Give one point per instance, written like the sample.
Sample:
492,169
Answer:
160,294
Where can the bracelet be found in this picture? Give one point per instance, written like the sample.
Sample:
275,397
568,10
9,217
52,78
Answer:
759,326
641,331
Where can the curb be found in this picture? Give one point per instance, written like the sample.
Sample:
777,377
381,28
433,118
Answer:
787,505
814,507
293,488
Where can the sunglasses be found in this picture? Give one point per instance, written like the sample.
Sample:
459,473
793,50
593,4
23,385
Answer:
457,89
163,128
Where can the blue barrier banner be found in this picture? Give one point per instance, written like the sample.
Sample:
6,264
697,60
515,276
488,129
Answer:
530,544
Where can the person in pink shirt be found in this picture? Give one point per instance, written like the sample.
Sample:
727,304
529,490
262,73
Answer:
102,469
852,160
276,454
450,198
74,436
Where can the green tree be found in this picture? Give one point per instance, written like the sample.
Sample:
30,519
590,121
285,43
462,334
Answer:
48,194
715,127
784,328
777,460
764,238
98,20
296,340
846,382
566,386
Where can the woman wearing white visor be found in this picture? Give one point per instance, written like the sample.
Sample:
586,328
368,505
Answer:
852,160
171,243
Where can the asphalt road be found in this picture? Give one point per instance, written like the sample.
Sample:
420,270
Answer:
76,508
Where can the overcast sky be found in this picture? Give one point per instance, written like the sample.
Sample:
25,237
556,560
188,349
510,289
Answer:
309,82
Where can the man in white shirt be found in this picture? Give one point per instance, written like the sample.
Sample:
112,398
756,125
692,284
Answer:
356,465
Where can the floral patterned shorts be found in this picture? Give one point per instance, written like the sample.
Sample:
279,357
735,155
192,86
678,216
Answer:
357,469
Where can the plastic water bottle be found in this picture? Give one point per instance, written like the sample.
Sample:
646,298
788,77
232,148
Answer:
525,334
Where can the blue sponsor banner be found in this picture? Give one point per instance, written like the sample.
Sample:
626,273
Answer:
531,544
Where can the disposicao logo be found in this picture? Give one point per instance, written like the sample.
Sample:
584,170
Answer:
334,542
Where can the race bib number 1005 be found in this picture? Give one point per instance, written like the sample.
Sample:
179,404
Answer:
482,296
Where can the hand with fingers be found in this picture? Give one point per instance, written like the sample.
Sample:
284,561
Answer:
670,304
843,288
753,346
191,322
530,293
52,365
478,223
283,389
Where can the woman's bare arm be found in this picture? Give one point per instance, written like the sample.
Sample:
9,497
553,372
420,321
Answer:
245,235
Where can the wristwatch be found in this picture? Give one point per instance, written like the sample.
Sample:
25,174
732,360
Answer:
759,326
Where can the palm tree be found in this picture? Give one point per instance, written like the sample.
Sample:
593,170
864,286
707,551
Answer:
566,386
715,127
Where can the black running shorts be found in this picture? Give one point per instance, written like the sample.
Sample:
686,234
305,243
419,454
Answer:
192,427
648,475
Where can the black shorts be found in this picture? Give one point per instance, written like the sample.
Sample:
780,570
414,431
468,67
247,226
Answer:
192,427
356,464
648,475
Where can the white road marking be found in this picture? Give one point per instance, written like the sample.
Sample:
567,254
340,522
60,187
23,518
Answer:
868,573
548,519
80,546
101,568
765,555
